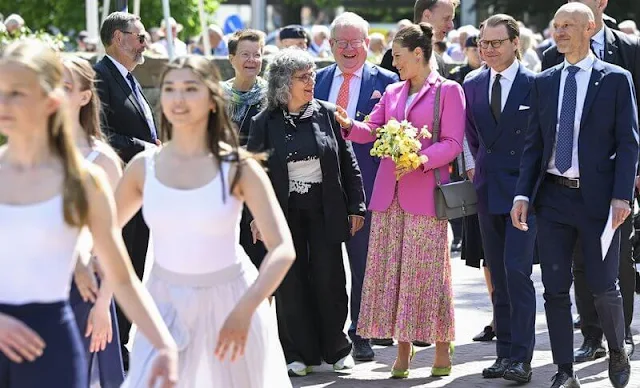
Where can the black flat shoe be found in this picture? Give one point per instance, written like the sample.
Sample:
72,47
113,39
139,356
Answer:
520,372
590,350
619,368
362,351
421,344
382,341
564,380
496,370
485,335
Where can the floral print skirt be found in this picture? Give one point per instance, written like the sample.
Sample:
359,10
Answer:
407,292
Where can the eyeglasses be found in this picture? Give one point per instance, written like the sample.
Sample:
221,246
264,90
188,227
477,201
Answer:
494,43
342,44
141,37
306,78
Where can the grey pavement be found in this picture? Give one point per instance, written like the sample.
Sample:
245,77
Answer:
473,312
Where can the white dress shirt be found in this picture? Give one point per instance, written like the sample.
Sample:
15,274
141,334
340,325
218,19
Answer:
597,42
508,76
354,90
582,81
148,114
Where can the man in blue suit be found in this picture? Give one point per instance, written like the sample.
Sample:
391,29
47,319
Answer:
356,86
577,172
497,114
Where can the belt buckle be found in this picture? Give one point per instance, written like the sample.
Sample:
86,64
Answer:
573,183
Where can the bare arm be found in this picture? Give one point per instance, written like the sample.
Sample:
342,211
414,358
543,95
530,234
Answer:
128,194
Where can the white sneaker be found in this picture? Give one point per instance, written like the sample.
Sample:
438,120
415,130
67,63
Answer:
298,368
344,363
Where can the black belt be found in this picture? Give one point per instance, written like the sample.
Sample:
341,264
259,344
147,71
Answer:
572,183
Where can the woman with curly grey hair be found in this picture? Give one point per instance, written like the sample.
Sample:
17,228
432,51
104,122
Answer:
318,184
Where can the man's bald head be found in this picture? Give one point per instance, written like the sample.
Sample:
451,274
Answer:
579,10
574,25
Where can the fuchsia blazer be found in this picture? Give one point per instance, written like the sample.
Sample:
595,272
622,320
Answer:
416,189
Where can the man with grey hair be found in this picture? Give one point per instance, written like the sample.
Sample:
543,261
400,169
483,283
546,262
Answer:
127,121
577,172
356,86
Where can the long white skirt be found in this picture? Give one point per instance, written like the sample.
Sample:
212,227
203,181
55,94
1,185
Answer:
194,307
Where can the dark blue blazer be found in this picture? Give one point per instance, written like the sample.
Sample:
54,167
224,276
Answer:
497,147
374,78
607,144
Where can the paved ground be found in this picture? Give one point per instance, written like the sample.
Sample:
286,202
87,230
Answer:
472,314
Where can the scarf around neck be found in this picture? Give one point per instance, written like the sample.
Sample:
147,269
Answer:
240,102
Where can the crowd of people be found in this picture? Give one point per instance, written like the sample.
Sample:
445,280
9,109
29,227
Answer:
248,286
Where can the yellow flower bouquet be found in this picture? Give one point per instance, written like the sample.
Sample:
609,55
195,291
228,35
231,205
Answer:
400,141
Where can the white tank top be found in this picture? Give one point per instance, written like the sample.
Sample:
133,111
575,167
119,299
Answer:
194,231
37,253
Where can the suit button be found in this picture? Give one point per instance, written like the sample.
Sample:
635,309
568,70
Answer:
489,151
512,152
518,131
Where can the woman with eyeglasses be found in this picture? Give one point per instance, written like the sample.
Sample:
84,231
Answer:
318,184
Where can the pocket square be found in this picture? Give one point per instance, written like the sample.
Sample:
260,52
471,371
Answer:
523,107
612,157
375,95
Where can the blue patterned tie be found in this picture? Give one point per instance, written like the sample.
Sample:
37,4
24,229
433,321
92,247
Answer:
564,145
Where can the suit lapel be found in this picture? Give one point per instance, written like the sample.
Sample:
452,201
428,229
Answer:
276,134
402,100
124,85
592,89
612,54
553,95
323,86
484,117
519,90
319,133
366,88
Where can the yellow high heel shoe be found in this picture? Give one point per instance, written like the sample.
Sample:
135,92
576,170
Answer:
403,374
444,370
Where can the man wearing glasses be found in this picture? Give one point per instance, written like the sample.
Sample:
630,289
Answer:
356,86
127,122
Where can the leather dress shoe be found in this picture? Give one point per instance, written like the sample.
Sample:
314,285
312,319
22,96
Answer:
564,380
486,335
497,369
590,350
382,341
456,246
362,350
629,345
519,372
421,344
619,368
577,322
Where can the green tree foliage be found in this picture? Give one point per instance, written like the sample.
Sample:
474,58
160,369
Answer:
539,13
69,15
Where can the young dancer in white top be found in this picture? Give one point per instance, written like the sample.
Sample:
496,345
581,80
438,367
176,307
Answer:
192,191
48,193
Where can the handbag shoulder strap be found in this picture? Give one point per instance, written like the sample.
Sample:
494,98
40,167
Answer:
435,132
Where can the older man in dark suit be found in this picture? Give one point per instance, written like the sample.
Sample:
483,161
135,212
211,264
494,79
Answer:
577,174
611,46
127,121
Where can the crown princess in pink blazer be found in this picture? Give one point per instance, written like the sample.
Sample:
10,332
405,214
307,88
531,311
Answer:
407,293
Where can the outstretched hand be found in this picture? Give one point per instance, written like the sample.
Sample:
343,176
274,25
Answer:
343,118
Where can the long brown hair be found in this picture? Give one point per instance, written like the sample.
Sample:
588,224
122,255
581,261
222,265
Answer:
219,125
46,64
83,73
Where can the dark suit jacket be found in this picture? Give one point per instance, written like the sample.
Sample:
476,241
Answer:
374,79
123,121
387,63
342,193
497,147
620,49
607,144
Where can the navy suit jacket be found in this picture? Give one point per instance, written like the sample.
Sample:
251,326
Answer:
374,78
607,143
497,147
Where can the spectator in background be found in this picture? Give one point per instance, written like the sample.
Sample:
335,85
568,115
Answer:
294,35
154,34
216,40
13,23
472,55
530,58
179,47
629,27
320,46
377,46
548,42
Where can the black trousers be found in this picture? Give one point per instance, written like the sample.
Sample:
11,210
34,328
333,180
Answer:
136,239
311,302
590,324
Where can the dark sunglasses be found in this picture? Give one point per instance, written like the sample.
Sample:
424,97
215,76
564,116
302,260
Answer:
141,37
